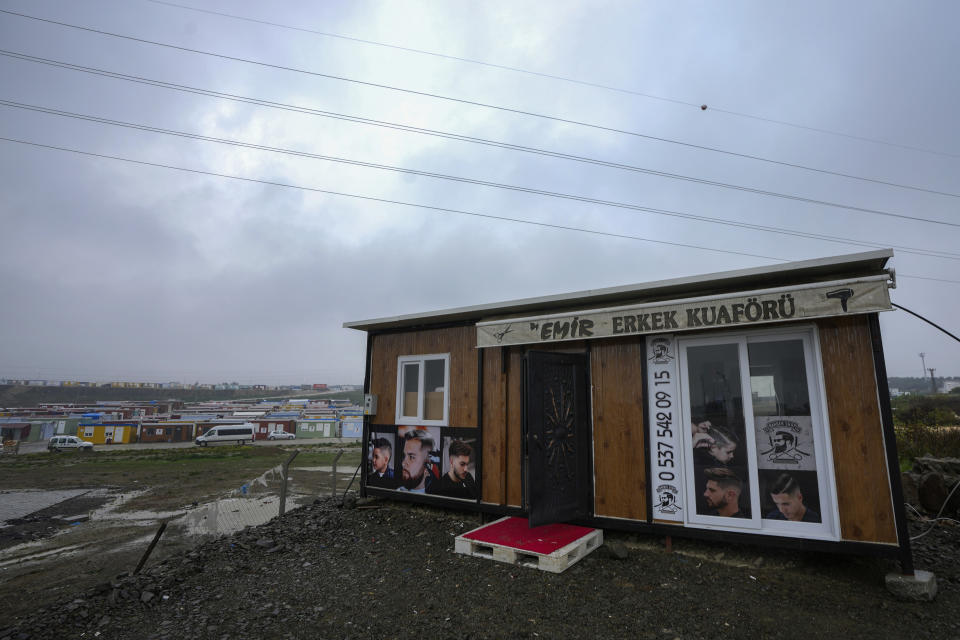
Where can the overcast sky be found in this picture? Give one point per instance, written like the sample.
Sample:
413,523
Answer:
113,270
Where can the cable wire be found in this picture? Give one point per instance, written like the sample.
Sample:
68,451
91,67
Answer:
900,275
429,132
456,100
940,512
931,323
596,85
415,205
642,209
389,201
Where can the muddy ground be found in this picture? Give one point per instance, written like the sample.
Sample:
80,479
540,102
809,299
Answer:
388,570
75,544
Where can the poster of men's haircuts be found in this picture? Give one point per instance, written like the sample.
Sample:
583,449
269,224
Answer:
785,443
789,496
380,460
787,465
458,467
717,432
418,458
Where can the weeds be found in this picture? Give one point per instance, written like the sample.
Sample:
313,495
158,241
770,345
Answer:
917,440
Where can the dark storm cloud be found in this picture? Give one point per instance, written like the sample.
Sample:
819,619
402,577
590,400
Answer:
118,270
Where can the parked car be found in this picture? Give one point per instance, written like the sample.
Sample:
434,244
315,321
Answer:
280,435
236,433
58,443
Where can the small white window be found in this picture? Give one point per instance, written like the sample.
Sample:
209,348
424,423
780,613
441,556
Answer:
422,384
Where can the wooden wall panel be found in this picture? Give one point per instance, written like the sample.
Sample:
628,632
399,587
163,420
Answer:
459,342
856,432
494,428
515,428
620,457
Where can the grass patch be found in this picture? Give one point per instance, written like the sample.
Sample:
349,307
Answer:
174,477
124,468
325,458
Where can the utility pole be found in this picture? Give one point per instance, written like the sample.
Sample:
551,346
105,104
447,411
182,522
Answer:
933,381
924,362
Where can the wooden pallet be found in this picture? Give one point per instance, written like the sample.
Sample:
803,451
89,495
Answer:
555,562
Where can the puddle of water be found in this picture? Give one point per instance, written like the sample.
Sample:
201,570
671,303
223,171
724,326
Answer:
233,514
252,504
216,518
16,556
19,504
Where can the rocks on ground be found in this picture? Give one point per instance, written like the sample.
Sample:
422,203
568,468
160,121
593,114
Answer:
387,570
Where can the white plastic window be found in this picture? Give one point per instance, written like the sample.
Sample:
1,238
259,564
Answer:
422,389
756,451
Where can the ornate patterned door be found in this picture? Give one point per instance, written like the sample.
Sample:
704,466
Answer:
560,474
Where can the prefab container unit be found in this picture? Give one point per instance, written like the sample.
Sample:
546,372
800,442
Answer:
45,427
747,406
167,431
115,433
63,425
317,428
264,426
351,427
15,430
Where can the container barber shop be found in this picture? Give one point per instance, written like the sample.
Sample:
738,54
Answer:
747,405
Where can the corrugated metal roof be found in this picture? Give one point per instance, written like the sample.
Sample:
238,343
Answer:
806,271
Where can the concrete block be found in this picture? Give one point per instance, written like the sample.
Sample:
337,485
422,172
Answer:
922,585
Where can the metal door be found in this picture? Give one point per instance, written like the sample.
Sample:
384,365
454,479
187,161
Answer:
560,473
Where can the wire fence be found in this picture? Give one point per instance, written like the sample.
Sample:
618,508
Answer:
279,489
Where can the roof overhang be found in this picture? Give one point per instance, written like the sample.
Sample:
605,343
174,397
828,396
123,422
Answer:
857,265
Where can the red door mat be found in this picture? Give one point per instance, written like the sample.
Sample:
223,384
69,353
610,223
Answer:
551,547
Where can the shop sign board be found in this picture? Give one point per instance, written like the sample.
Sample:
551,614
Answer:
745,309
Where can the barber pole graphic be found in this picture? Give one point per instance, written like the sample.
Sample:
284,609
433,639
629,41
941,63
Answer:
663,421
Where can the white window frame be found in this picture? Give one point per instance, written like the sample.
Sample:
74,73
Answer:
421,390
828,529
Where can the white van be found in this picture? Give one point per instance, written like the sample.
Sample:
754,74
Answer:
238,433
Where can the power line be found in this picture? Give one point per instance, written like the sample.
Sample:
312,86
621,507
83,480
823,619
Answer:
931,323
462,101
551,76
388,201
432,132
249,145
415,205
903,275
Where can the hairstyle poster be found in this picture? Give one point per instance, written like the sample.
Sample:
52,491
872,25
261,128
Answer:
418,458
458,467
381,452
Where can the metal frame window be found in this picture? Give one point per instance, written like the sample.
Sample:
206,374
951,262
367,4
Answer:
423,390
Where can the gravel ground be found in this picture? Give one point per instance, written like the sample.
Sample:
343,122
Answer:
388,570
